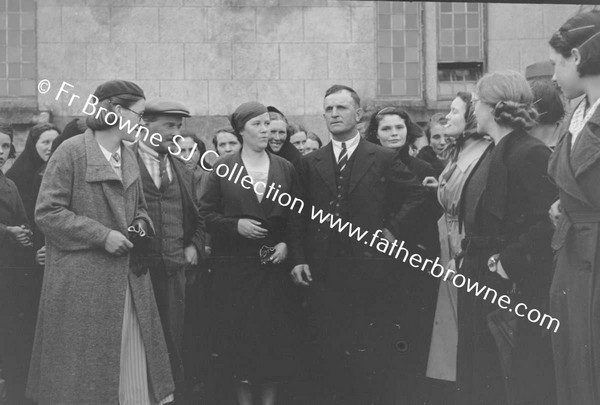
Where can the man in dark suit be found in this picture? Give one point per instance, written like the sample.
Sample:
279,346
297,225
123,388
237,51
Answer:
174,252
366,185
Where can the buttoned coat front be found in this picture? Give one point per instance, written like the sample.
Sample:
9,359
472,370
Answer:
76,355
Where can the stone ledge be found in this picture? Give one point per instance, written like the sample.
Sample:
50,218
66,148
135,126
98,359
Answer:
21,110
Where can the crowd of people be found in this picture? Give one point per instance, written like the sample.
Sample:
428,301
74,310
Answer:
156,279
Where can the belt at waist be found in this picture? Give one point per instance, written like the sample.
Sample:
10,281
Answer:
583,216
483,241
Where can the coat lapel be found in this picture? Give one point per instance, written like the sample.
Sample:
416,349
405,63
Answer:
361,165
325,166
586,151
251,202
560,169
99,170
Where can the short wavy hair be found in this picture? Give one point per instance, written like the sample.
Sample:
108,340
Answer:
510,96
581,32
413,130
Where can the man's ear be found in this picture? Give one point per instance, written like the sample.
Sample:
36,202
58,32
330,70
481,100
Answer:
359,114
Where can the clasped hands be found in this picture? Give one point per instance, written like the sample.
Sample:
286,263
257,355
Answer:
22,234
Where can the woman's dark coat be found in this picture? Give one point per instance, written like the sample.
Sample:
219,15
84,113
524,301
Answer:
575,293
511,218
248,319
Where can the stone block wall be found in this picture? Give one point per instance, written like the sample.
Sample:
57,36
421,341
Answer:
211,55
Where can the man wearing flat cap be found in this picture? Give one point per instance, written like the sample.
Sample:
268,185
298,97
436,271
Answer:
176,250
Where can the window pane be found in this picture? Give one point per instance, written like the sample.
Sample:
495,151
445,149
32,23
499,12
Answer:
385,55
446,21
398,55
463,41
385,70
385,22
399,48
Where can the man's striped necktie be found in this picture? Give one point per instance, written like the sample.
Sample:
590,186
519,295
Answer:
343,159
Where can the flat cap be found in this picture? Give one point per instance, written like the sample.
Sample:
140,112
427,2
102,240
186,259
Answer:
160,106
539,70
116,88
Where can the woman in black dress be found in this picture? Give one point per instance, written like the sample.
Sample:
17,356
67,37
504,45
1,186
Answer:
507,247
249,326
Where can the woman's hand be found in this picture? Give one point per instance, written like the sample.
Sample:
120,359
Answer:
250,228
40,256
555,212
281,252
117,244
431,182
21,234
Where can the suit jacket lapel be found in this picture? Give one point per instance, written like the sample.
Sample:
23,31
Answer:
325,166
362,162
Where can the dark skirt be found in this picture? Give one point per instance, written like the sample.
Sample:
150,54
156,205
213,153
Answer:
479,377
248,320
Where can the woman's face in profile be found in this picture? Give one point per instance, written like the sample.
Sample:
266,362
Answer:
456,118
566,75
256,133
44,144
131,114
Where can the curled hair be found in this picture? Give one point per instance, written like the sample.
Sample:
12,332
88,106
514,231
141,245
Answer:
509,95
581,32
124,100
6,128
228,130
413,130
547,101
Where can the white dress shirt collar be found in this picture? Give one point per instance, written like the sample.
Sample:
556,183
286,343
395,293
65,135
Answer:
107,154
351,145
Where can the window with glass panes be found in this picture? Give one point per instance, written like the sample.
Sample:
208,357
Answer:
17,48
399,49
460,47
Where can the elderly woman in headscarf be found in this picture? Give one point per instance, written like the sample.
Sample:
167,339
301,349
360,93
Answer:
254,241
25,172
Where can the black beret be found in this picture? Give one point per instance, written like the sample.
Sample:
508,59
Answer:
117,87
159,106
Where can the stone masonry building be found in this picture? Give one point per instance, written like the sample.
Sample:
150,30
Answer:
213,55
